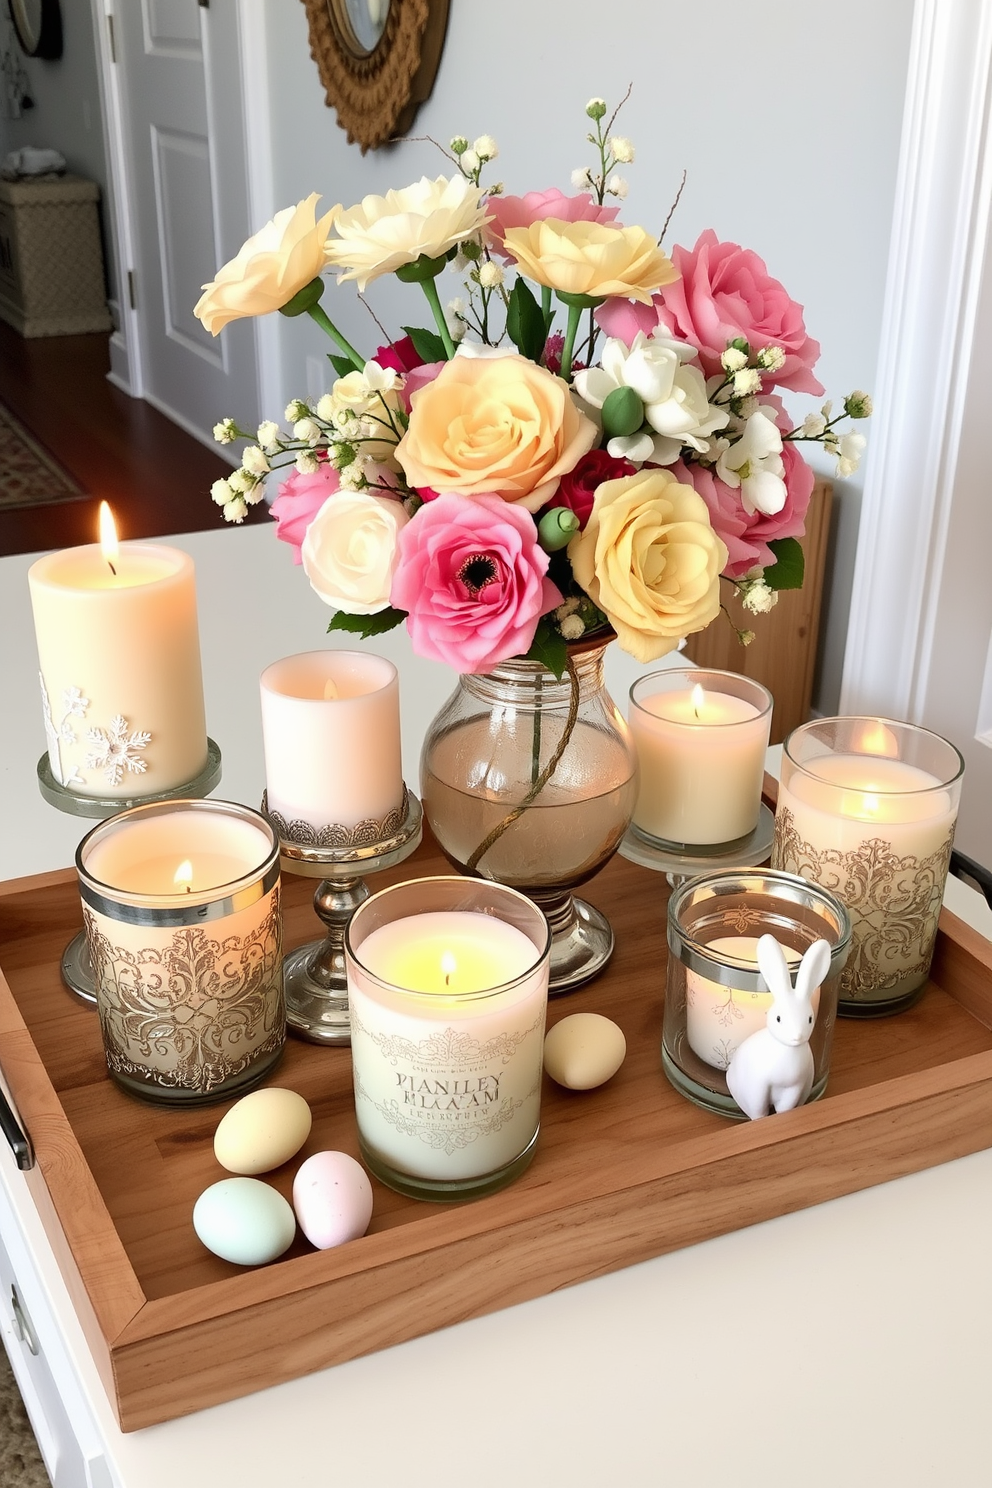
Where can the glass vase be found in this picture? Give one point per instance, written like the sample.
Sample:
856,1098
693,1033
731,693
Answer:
530,780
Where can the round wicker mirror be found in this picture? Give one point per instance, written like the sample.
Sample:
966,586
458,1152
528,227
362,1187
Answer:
377,60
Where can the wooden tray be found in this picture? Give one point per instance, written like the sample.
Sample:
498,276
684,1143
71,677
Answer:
621,1173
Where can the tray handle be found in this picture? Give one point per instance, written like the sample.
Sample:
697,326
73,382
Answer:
14,1130
973,874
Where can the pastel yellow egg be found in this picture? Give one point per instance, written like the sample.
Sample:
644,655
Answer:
584,1050
262,1131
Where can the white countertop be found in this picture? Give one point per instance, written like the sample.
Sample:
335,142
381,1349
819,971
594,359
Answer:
847,1344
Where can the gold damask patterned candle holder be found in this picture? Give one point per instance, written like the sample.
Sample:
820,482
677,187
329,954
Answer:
867,808
182,915
316,978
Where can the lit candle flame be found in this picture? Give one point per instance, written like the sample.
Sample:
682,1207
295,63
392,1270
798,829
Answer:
698,700
448,966
183,877
870,804
330,689
109,545
875,738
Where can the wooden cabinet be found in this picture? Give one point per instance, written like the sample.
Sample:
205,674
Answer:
51,257
783,652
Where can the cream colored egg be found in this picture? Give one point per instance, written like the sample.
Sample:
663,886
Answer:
584,1050
262,1131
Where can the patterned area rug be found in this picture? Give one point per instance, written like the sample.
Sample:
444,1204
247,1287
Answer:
29,476
20,1461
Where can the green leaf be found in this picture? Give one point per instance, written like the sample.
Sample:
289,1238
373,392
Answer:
549,647
341,365
525,323
427,344
789,568
368,625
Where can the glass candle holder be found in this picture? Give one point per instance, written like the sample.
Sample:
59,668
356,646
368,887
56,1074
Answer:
448,985
716,997
181,909
867,808
701,738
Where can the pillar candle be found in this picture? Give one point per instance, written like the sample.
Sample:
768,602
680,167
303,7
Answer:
331,730
119,654
701,752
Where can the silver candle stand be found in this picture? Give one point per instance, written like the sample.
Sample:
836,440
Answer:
314,975
76,967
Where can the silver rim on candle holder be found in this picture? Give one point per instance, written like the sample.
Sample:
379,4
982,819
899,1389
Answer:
314,975
75,967
785,905
198,1015
679,861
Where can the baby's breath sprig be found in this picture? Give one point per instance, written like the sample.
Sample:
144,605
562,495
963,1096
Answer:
613,150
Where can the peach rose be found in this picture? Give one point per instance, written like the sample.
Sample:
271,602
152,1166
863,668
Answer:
270,269
591,258
499,425
650,560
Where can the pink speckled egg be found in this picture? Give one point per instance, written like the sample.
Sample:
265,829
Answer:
332,1197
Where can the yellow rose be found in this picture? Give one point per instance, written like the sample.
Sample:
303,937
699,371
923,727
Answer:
651,561
270,269
382,233
591,258
494,424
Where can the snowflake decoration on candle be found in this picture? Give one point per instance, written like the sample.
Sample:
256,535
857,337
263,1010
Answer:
114,750
74,705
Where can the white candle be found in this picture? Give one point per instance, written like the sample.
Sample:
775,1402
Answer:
720,1018
876,830
331,730
119,653
447,1042
181,906
701,753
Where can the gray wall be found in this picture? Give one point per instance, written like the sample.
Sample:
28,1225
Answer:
785,115
66,113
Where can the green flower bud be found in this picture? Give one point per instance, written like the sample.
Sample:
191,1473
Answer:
557,528
596,108
858,405
459,145
623,413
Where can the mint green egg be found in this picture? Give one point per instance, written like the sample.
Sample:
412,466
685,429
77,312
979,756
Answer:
244,1220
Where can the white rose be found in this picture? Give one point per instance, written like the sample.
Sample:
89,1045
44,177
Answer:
754,464
382,233
349,551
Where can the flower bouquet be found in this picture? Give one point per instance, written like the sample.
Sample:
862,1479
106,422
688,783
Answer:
591,435
587,442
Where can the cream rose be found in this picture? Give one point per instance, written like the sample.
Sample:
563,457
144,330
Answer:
349,551
651,561
382,233
270,269
498,425
591,258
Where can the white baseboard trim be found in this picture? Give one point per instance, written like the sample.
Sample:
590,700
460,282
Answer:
120,364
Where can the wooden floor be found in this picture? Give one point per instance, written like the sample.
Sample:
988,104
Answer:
119,449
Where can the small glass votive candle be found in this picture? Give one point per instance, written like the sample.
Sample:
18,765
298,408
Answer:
448,986
867,808
181,910
716,997
701,738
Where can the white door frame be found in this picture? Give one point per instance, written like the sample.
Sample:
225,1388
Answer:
243,23
937,258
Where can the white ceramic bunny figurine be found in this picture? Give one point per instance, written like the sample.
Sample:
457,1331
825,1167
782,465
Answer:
773,1069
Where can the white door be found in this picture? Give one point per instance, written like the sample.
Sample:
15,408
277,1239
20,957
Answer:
920,639
183,129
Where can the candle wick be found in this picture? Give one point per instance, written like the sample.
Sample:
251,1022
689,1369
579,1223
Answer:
189,888
447,978
112,568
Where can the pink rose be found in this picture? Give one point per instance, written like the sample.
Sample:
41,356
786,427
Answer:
300,499
624,318
417,378
747,535
471,576
577,489
400,356
725,291
520,211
